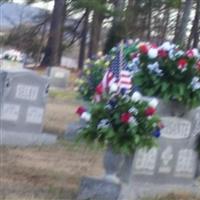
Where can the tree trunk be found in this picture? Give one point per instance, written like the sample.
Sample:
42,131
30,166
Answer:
83,41
165,23
53,49
95,34
184,22
177,26
149,21
196,25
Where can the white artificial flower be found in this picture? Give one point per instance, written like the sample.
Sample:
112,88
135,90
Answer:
155,68
104,123
195,52
100,53
86,116
133,121
153,53
113,87
195,83
172,54
154,103
166,46
136,96
180,53
130,41
133,110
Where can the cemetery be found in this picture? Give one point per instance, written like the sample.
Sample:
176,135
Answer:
108,109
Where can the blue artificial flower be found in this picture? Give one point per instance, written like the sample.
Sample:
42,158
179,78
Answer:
157,133
123,91
113,103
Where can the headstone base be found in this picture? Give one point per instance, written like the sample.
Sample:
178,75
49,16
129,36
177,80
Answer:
9,138
98,189
148,190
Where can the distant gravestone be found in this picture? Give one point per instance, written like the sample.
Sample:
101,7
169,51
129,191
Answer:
174,163
2,81
24,99
59,77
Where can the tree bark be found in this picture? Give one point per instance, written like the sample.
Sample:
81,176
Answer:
95,34
53,49
83,41
177,26
180,39
149,20
196,25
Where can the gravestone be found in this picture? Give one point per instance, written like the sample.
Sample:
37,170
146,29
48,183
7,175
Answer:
2,80
59,77
96,189
24,99
171,166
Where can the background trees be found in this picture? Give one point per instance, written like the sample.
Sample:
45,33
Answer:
100,24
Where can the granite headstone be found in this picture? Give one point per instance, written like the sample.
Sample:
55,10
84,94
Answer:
2,81
59,77
96,189
173,164
24,100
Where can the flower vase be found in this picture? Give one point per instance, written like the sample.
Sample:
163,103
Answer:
117,166
172,108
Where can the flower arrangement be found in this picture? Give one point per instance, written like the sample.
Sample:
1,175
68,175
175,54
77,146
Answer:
121,120
92,74
94,69
169,73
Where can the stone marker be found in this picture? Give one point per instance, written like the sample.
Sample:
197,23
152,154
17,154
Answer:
24,100
2,81
59,77
95,189
72,131
174,165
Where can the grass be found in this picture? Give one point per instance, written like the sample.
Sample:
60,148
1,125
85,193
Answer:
177,196
54,172
50,172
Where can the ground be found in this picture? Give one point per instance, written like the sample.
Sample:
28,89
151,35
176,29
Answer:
53,172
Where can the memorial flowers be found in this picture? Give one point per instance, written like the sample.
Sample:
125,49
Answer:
169,73
92,74
119,117
121,122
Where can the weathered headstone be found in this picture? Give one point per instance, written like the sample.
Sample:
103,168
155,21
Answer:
59,77
24,100
173,165
2,81
96,189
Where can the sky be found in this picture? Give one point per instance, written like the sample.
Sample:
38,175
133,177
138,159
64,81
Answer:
39,4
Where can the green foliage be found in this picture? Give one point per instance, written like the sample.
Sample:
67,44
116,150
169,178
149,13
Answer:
173,84
92,75
122,137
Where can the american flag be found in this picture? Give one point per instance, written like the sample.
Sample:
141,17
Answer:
117,73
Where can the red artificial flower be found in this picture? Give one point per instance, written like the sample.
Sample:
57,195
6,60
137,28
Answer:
125,117
99,89
150,111
182,63
190,53
162,53
80,110
143,49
